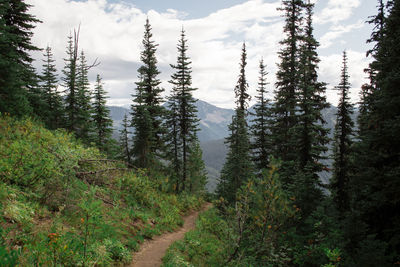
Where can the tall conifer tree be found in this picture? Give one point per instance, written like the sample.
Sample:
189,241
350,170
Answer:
310,133
260,129
238,167
287,87
17,76
53,116
183,107
124,140
375,183
342,142
102,123
84,96
69,79
147,111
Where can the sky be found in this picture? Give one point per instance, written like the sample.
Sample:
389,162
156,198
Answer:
112,32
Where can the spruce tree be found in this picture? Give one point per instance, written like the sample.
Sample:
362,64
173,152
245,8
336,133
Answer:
124,140
196,169
17,76
260,129
84,96
238,168
69,80
375,183
173,140
310,133
287,86
53,116
342,143
147,111
102,123
184,111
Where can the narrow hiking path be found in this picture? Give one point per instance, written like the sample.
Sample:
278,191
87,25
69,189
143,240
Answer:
152,251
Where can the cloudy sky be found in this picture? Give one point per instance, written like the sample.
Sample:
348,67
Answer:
112,31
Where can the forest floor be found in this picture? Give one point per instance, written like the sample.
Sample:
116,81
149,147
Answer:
152,251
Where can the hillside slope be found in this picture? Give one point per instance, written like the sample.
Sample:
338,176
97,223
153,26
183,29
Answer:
63,204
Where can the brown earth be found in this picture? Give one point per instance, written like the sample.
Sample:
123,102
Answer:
152,251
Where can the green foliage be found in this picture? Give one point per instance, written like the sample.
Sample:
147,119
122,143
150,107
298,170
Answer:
64,217
17,76
146,110
342,143
102,122
9,258
333,256
41,160
204,246
238,168
261,127
182,123
53,114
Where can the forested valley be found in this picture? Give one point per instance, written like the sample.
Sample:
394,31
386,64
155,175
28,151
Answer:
72,193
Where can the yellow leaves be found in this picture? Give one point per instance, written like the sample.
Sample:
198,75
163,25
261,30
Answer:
269,226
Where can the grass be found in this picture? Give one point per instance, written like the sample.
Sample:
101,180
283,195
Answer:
51,216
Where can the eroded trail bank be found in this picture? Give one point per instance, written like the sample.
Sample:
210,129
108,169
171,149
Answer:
152,251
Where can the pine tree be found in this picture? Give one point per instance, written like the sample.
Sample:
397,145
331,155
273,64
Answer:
287,87
147,111
124,140
53,116
342,142
238,168
184,111
18,79
83,97
310,133
260,128
102,123
375,183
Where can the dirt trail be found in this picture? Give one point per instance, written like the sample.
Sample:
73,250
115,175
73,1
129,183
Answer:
152,251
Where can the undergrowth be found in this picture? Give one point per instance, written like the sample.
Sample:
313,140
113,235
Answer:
59,206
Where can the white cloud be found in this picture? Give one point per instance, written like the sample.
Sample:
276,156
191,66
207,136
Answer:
337,31
336,11
113,33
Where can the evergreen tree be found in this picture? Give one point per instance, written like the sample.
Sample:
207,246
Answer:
375,184
342,143
287,87
84,96
69,80
53,115
101,118
18,80
260,129
173,140
368,88
310,133
238,168
147,111
196,169
124,140
184,121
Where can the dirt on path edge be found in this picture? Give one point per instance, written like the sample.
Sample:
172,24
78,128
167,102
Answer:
152,251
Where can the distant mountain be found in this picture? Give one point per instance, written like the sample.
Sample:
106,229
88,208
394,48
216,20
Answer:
117,115
213,126
214,121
